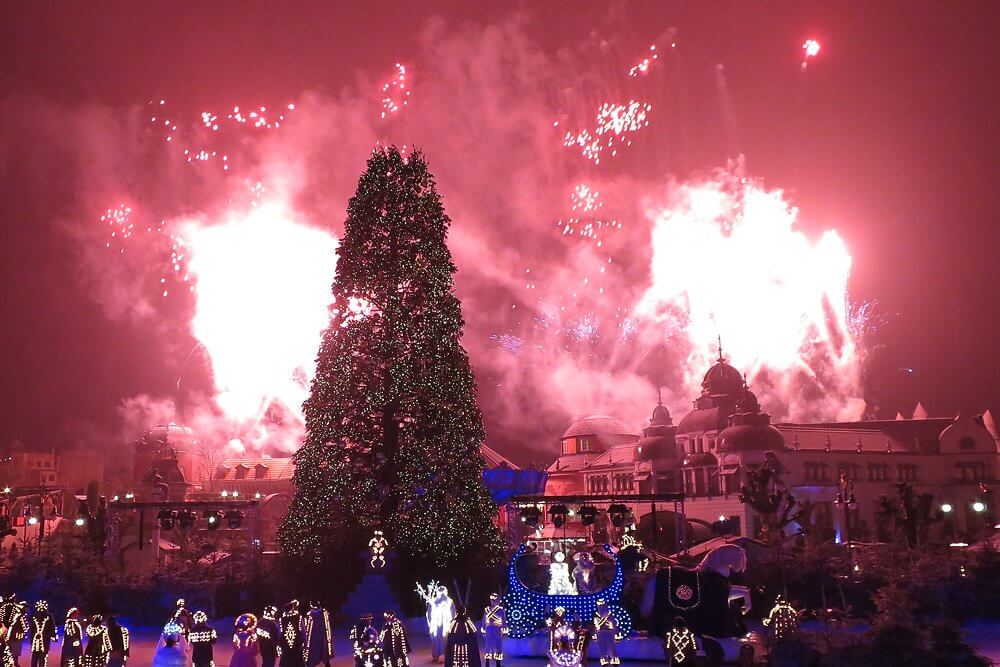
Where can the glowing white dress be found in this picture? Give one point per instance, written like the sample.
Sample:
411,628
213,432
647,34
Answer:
559,581
440,614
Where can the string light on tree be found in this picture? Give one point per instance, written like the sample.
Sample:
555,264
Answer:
393,430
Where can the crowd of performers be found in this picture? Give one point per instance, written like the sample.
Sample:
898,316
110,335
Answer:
87,642
291,638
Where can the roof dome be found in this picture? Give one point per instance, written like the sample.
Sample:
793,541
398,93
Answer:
661,416
597,425
721,378
744,437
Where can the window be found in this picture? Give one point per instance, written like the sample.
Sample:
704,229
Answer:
850,471
906,472
966,442
878,472
815,471
241,471
972,472
260,471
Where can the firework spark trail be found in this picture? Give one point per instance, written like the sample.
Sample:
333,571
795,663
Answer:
566,328
395,92
200,142
642,67
614,126
810,51
121,227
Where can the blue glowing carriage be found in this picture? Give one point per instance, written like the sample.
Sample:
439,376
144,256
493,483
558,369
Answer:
527,610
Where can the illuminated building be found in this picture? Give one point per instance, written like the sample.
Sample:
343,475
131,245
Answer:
708,454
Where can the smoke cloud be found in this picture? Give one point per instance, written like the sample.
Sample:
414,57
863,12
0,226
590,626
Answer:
574,277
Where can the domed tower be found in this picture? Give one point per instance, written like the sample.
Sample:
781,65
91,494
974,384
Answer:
721,389
658,440
657,449
749,428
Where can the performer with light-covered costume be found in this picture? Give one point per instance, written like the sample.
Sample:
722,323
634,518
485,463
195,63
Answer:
564,642
494,630
202,637
246,648
42,632
440,614
268,636
395,643
606,629
72,649
367,642
171,651
317,636
95,654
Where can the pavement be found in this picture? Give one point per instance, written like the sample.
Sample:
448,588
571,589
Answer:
984,636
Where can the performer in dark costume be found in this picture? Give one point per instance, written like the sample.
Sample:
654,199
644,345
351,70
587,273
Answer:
463,643
680,646
395,644
606,629
95,654
202,637
367,643
182,616
120,641
564,644
290,644
15,620
317,637
72,648
42,633
494,629
245,645
268,636
6,657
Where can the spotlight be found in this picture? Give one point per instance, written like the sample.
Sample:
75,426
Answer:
530,515
166,519
619,514
558,514
946,508
234,518
588,515
80,521
32,520
979,507
212,517
185,519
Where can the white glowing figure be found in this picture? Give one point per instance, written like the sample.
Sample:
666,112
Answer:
378,546
262,290
559,580
440,614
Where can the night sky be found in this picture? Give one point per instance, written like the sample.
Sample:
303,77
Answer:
892,141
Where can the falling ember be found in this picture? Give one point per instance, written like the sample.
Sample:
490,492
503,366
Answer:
261,291
395,92
120,226
728,257
642,67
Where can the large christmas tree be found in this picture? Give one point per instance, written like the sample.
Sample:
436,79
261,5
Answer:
393,428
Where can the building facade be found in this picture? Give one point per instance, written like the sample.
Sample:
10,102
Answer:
726,436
